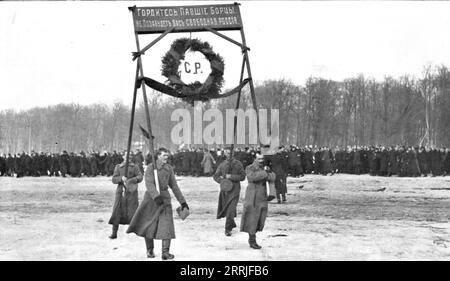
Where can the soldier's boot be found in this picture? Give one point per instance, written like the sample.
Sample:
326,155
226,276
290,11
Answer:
115,228
229,225
165,250
149,245
284,197
278,199
252,242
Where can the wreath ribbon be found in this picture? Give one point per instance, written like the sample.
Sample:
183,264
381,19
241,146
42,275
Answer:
190,98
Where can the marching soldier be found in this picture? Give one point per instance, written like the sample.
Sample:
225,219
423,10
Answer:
208,163
255,203
278,164
232,170
126,200
154,218
295,162
186,162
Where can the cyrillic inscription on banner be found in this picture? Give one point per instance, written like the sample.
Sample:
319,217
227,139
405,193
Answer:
187,18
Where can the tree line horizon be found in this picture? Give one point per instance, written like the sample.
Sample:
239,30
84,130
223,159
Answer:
355,111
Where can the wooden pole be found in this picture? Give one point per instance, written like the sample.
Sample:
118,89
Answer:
237,107
130,132
147,112
243,47
252,88
156,40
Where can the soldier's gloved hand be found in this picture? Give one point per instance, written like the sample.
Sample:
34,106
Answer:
184,205
158,200
124,179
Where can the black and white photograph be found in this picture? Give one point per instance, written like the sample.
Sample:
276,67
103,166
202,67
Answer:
216,131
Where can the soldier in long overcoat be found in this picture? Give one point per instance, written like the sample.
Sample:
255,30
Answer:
198,162
186,162
75,165
446,162
317,161
64,163
2,165
255,202
93,164
384,161
422,157
295,162
413,163
10,165
436,161
54,164
357,161
339,157
278,164
154,218
208,163
233,170
126,200
326,157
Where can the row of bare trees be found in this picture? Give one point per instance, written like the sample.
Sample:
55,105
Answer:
362,111
356,111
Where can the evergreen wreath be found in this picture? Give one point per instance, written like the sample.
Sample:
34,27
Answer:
172,59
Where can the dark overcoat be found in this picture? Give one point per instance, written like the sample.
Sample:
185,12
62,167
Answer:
308,161
208,163
422,157
435,157
186,161
413,164
279,167
125,205
150,220
255,202
295,162
326,161
228,200
384,160
446,163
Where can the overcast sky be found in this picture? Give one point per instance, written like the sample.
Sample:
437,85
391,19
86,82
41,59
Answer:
63,52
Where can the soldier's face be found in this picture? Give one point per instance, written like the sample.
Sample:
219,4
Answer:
260,159
164,156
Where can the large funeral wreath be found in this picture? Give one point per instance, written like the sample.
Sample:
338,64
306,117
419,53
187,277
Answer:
172,59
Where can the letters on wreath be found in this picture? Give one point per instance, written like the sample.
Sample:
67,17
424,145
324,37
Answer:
171,62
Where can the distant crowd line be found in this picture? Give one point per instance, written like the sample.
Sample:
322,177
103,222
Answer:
289,160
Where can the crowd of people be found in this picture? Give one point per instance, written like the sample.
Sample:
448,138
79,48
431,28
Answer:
297,161
64,164
293,160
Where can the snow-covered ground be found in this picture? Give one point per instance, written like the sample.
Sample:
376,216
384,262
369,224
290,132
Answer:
340,217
